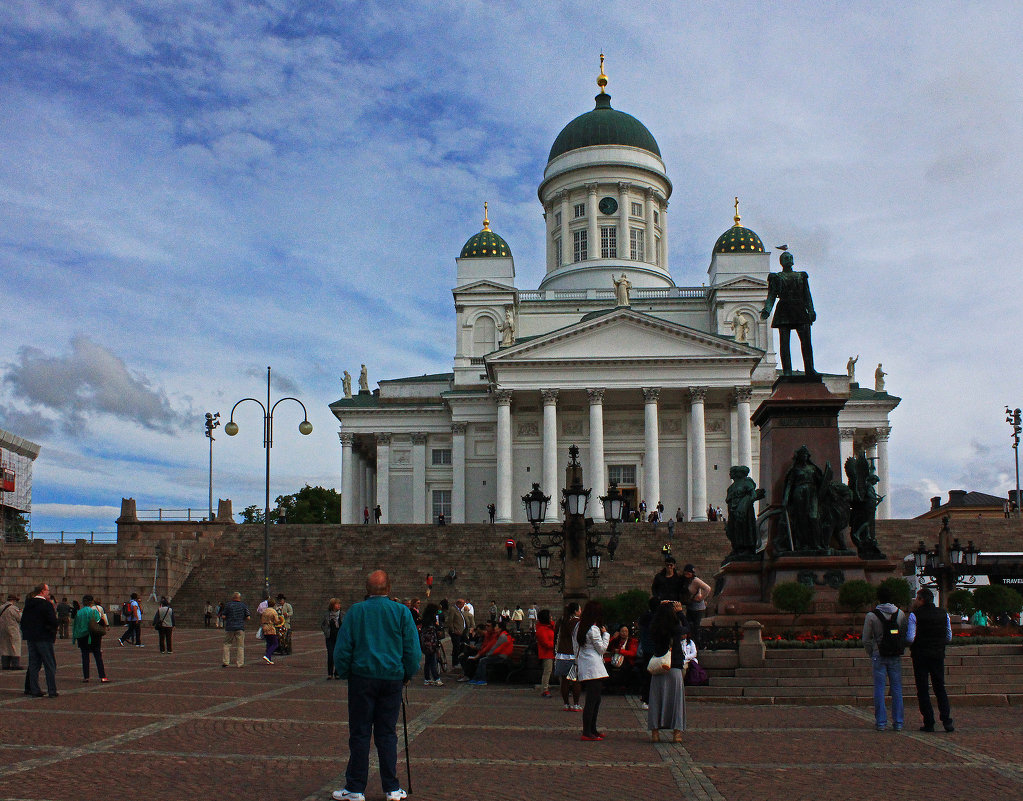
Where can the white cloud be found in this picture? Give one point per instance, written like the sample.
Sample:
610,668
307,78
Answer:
197,192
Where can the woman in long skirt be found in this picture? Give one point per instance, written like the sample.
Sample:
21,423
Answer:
667,691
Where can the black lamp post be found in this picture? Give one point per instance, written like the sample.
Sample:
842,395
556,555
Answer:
579,567
1013,418
947,564
305,428
212,421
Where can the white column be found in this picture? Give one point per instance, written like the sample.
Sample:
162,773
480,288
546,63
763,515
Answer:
597,478
504,456
651,442
846,448
648,212
698,434
733,436
566,239
419,504
689,464
364,479
384,476
664,243
593,230
742,413
458,472
347,484
550,451
623,219
884,487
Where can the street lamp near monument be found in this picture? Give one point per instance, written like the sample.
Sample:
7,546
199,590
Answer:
305,428
212,421
575,548
947,564
1012,417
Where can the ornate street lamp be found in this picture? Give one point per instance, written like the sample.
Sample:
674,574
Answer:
212,421
563,547
231,429
1014,418
947,565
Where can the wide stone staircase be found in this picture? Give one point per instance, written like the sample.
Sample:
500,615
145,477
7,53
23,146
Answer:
312,563
976,674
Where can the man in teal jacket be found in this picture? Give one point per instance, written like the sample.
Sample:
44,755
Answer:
377,652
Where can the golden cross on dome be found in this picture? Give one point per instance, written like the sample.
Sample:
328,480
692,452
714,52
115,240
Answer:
486,222
737,217
602,78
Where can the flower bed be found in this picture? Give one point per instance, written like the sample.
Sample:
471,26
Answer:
851,639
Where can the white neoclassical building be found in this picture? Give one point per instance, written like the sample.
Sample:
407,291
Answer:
653,381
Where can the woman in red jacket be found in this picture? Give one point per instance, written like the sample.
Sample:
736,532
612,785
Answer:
545,648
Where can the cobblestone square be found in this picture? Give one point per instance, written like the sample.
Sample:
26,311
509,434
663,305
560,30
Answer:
179,726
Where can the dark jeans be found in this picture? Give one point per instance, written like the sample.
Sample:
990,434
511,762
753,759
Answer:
373,706
40,655
134,632
485,662
166,638
456,647
933,668
594,689
430,672
96,649
331,642
694,617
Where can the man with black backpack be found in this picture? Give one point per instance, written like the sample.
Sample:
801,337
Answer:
884,639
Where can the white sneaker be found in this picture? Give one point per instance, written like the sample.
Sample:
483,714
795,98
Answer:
438,683
427,683
645,706
267,660
347,795
396,795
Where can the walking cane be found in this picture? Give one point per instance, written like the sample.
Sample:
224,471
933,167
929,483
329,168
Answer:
404,724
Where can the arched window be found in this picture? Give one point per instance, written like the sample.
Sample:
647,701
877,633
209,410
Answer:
484,336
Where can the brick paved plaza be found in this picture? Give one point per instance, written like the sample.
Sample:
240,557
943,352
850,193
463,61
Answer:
178,726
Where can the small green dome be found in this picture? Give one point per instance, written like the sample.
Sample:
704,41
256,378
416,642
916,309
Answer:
738,240
603,126
485,245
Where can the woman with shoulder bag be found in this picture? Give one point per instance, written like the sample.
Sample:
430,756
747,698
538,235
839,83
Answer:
591,638
667,691
564,657
269,620
163,620
87,632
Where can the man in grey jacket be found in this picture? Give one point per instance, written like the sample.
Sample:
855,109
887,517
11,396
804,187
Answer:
884,638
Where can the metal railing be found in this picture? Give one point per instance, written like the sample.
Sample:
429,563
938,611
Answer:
173,515
69,537
603,295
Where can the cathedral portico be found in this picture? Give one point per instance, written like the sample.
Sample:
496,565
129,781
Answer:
654,382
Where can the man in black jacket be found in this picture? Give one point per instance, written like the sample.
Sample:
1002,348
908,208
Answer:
39,629
928,632
669,585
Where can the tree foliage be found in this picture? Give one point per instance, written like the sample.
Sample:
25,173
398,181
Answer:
997,599
15,525
308,505
900,590
792,596
857,595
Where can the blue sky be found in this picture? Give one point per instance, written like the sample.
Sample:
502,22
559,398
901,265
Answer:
191,191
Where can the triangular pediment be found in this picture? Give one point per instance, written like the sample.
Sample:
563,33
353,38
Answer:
483,286
624,334
742,282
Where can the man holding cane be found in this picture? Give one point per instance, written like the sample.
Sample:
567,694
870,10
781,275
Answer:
377,652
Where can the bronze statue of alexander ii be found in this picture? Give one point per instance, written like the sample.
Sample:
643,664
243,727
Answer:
791,288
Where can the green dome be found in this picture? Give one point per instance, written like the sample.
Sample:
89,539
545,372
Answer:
738,240
604,126
485,245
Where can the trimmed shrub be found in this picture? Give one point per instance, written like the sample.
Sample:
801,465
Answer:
857,595
961,602
793,597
